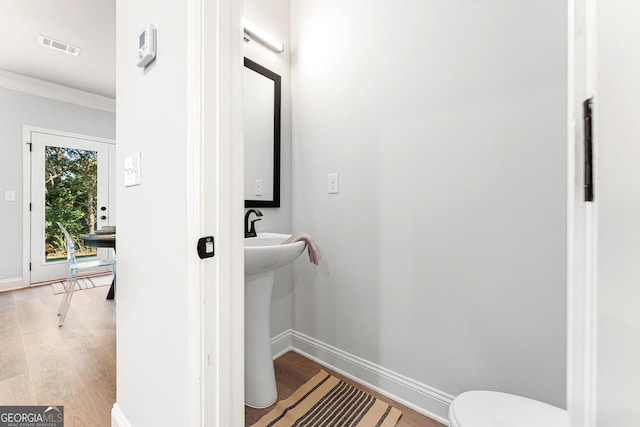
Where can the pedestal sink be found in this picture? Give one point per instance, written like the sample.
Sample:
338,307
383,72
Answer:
262,256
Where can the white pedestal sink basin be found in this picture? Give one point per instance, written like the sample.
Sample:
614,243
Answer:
262,256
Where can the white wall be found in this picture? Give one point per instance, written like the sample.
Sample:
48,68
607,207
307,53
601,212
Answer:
617,191
152,293
16,110
445,249
273,17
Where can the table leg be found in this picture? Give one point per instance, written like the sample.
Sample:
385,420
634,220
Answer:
112,290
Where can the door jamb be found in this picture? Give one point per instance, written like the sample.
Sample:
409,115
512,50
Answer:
581,221
216,206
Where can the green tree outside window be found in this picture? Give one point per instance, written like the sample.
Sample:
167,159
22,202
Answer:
71,188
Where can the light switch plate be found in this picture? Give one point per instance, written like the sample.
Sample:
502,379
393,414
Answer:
258,191
332,181
132,170
10,196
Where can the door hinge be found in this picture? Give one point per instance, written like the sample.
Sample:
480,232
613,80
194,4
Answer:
30,146
587,110
29,266
30,207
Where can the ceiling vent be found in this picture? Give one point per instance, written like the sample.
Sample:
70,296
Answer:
58,45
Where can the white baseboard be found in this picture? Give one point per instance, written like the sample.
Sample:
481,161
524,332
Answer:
281,343
11,284
420,397
117,417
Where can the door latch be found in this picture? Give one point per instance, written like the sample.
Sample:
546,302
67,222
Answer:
206,247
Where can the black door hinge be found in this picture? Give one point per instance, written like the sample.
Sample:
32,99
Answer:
30,207
30,146
29,266
587,109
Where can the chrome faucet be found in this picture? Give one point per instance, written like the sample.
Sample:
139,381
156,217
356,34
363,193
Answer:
251,232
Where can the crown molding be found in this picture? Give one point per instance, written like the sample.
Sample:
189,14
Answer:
33,86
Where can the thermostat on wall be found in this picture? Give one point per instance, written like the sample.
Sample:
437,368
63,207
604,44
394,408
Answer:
147,46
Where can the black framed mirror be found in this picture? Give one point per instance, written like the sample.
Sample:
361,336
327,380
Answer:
262,95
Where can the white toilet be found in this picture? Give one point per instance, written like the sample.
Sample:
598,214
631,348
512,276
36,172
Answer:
495,409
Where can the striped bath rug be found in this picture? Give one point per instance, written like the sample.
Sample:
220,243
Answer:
84,283
328,401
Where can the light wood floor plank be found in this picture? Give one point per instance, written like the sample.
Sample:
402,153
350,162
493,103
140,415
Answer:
13,359
17,391
9,321
72,366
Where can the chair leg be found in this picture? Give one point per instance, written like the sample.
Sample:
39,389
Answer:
65,309
66,301
68,283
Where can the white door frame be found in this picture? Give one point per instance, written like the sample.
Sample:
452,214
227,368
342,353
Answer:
27,187
581,221
216,207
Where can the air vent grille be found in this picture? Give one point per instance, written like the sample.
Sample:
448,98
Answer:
58,45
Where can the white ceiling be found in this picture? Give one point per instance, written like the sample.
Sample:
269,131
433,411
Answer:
87,24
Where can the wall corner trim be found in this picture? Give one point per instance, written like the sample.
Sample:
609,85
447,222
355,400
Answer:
281,343
33,86
420,397
117,417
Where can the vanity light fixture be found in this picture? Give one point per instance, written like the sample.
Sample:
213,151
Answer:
261,35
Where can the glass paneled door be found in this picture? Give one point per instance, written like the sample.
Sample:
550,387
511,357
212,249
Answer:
70,185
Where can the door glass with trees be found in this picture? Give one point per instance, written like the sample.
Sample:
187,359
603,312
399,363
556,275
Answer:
70,198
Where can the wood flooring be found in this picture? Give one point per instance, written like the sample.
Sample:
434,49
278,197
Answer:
72,366
293,370
75,366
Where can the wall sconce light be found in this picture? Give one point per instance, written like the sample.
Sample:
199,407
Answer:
261,35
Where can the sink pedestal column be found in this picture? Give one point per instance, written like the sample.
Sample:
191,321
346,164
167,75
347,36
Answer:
259,376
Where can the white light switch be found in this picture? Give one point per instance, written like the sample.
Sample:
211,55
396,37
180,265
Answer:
132,170
258,187
333,183
10,196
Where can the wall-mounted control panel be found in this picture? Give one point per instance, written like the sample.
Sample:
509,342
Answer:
146,46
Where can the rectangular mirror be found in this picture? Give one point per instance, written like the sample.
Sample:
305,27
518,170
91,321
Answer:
261,136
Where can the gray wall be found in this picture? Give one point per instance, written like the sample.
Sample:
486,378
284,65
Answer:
445,249
16,110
